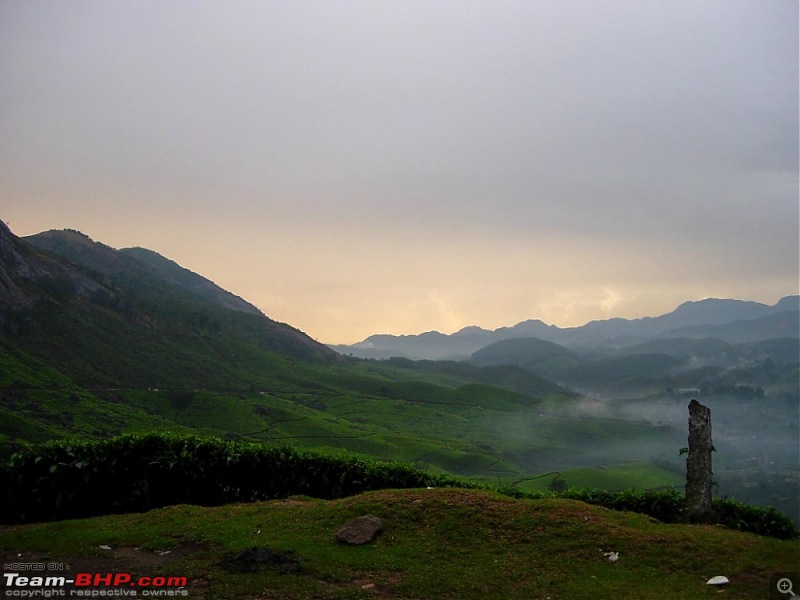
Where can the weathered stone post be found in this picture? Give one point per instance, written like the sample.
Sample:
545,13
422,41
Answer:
698,463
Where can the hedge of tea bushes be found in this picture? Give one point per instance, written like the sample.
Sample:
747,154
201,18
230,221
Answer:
134,473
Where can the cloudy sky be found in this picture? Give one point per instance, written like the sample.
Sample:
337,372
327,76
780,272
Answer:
356,167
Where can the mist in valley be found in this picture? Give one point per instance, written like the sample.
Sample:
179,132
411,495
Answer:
756,461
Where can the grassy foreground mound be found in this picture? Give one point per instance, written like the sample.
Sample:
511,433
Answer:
436,543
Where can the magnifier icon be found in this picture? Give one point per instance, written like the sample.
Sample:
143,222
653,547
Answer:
785,587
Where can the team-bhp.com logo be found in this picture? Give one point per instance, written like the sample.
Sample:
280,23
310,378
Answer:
93,585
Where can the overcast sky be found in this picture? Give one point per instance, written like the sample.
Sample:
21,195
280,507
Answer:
396,167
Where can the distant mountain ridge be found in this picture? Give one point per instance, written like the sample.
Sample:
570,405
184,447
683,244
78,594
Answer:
734,321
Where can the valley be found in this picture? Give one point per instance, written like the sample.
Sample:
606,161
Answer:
98,342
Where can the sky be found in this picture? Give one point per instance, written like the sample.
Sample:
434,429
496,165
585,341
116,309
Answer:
360,167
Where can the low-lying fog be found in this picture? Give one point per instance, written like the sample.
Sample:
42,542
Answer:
757,458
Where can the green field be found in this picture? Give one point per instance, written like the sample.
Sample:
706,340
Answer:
639,475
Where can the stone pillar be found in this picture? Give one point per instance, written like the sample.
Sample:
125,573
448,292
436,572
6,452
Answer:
698,464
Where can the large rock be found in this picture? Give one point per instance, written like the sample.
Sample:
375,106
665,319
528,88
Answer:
360,531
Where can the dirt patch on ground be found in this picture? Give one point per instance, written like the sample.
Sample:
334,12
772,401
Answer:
117,558
258,559
143,558
376,585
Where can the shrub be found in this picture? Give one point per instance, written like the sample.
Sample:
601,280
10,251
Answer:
665,505
133,473
763,521
669,506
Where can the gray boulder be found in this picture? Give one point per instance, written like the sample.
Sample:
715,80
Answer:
361,530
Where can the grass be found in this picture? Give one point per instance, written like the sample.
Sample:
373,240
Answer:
442,543
640,475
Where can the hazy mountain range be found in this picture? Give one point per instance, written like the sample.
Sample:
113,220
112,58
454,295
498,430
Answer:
132,317
732,321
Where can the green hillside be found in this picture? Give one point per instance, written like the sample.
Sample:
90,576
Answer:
536,355
645,368
459,425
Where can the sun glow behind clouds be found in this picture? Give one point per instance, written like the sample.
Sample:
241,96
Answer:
362,167
388,282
